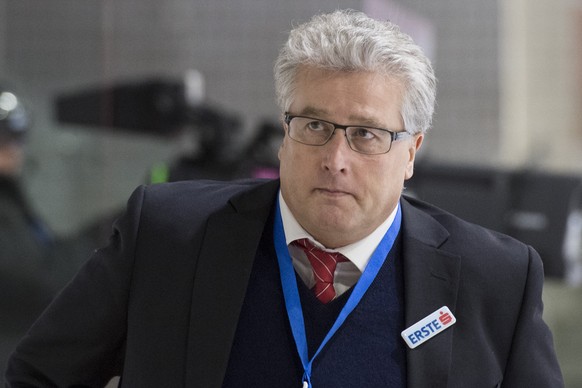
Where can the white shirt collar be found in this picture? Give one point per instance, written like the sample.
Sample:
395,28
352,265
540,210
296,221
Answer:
358,253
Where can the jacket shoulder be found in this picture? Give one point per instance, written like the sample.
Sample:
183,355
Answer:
468,239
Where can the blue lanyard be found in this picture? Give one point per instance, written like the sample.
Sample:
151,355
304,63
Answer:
291,293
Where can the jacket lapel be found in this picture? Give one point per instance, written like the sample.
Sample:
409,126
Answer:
431,280
224,266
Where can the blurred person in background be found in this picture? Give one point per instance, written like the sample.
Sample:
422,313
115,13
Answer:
326,277
34,263
25,241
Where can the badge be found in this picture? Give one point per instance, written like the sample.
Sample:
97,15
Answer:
428,327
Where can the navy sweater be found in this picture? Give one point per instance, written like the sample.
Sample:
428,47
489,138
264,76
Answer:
367,351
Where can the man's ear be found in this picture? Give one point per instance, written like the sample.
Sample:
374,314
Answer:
415,145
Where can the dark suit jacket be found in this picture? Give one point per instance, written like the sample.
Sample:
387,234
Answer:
160,303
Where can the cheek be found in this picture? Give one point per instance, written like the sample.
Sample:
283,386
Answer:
294,157
282,148
290,162
285,154
387,178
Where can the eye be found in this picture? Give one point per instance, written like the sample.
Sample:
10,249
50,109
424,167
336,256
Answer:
362,133
316,126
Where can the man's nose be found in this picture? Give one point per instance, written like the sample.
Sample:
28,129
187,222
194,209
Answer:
336,152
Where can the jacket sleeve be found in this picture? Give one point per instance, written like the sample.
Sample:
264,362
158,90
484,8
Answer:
79,340
532,361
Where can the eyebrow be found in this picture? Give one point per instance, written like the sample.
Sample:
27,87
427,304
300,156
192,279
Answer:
311,111
365,121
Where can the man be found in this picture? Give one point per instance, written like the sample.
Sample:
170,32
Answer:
208,284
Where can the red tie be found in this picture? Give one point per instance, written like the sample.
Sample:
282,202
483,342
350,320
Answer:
323,264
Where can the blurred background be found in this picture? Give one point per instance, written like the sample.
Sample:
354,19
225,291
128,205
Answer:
97,97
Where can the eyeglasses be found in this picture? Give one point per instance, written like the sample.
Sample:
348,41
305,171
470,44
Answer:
365,140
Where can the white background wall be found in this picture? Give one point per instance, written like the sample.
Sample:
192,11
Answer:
541,84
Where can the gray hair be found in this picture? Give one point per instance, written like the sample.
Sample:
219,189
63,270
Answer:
348,40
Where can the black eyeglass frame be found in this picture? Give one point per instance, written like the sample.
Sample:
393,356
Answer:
394,135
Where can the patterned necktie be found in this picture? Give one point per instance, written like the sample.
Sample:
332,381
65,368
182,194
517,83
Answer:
323,264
